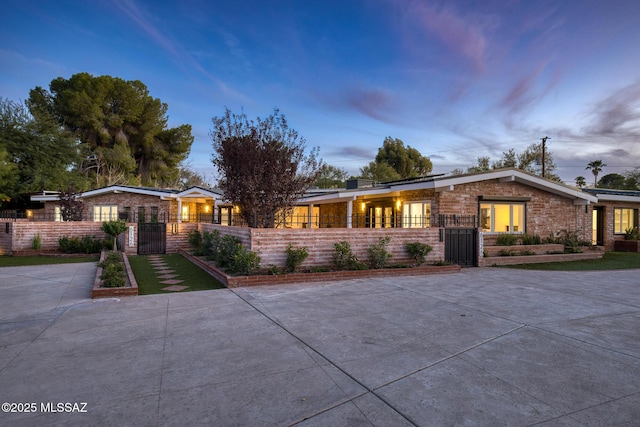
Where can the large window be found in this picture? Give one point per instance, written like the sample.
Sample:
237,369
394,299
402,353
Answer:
416,215
502,217
105,213
623,219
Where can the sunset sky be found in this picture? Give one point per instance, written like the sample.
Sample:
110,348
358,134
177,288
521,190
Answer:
454,79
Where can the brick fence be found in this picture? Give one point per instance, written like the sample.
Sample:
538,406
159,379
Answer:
271,243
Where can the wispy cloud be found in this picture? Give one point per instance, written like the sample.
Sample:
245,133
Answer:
374,103
353,152
463,36
180,55
617,115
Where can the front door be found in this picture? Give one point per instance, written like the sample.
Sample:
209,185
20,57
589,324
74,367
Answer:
598,226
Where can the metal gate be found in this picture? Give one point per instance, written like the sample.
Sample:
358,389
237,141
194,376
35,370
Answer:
152,238
461,246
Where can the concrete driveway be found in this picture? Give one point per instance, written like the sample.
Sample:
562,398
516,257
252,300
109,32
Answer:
481,347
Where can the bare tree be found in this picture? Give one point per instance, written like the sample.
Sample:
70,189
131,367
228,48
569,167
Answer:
71,207
263,165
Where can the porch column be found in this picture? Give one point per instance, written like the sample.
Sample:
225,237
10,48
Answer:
214,213
349,213
310,216
179,210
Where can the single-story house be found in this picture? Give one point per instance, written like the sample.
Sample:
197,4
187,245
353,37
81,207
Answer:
136,204
490,203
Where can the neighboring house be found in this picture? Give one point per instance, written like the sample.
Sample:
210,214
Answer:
137,204
614,213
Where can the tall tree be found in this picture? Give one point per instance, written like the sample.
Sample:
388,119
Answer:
529,161
263,164
596,167
117,120
406,161
379,172
580,181
38,153
613,181
331,177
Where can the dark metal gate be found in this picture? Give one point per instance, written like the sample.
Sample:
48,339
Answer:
152,238
461,246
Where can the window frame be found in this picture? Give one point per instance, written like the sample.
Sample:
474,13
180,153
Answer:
407,218
99,213
492,216
618,223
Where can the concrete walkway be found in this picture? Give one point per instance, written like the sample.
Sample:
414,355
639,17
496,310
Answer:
481,347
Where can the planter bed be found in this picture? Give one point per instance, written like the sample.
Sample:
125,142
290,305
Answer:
281,279
494,251
130,290
533,259
626,245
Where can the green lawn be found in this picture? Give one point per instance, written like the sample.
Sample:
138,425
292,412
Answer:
610,261
18,261
193,276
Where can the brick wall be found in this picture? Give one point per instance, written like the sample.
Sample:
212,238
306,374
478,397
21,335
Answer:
23,232
546,213
271,243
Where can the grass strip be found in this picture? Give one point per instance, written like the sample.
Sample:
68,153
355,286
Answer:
610,261
192,276
19,261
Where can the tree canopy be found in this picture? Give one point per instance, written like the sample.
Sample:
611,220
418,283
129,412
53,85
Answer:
263,165
122,130
395,161
35,153
530,160
331,177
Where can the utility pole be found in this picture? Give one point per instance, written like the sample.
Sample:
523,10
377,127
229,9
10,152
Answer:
544,141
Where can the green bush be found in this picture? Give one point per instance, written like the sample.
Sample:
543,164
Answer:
531,239
76,245
295,257
210,244
418,251
632,233
113,229
344,258
227,248
506,239
195,240
113,272
378,255
244,261
36,243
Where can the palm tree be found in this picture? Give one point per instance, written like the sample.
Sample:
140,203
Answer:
580,181
596,167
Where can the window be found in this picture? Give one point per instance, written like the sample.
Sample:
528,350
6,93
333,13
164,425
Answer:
416,215
623,219
502,217
141,214
105,213
57,215
380,217
154,214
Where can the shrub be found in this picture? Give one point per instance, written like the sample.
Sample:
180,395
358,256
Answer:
227,248
36,243
531,239
378,254
632,233
75,245
418,251
508,252
210,244
113,274
344,258
506,239
295,257
195,240
244,261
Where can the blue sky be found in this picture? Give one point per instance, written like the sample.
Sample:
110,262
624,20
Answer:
454,79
